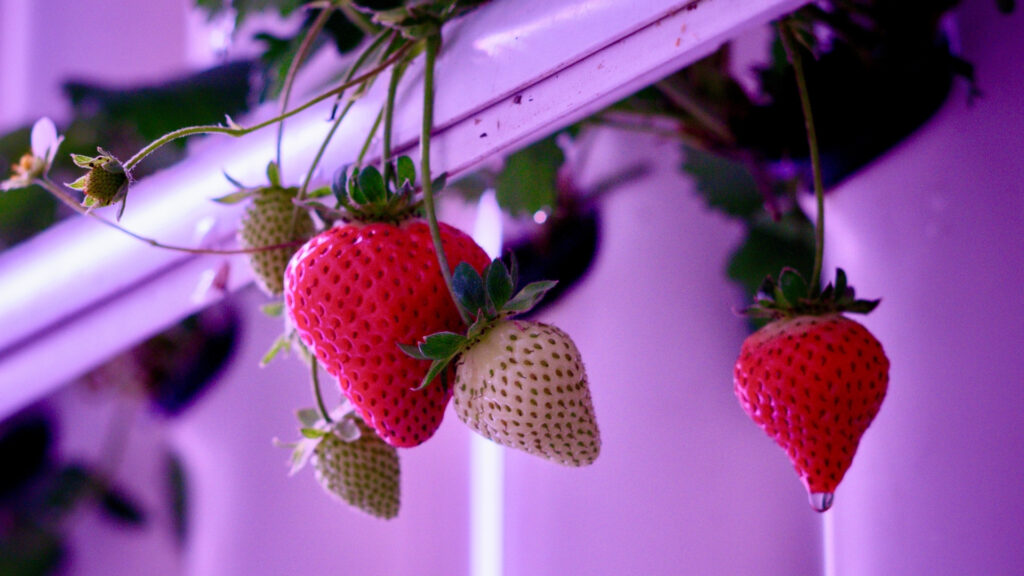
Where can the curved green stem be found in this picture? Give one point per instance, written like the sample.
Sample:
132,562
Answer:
70,202
369,138
320,406
433,47
289,80
235,130
793,53
389,115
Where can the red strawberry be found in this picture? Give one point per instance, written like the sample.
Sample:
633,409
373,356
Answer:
355,292
814,384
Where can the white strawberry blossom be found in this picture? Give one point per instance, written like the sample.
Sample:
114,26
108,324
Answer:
45,142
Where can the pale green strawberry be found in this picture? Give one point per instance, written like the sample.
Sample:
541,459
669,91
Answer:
270,220
362,472
523,385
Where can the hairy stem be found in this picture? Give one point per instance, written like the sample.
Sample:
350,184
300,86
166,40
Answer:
70,202
236,130
289,80
793,53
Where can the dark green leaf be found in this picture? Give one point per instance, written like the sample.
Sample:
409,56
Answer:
435,369
372,185
468,287
792,286
528,297
118,506
771,246
405,171
499,284
528,182
725,184
442,345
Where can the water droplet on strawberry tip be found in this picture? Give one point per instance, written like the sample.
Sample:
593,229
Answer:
821,501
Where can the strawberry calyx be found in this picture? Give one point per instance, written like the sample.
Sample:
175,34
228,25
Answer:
487,299
792,296
365,195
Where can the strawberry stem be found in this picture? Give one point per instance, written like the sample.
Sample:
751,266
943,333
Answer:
793,53
235,130
433,46
293,68
314,374
70,202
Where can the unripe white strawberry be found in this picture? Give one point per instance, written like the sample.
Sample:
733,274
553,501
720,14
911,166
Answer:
270,220
523,385
363,472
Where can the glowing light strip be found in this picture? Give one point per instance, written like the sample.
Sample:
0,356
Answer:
486,459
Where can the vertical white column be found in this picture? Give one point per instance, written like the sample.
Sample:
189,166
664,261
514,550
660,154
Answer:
487,462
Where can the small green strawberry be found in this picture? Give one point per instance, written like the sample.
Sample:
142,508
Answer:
350,461
812,379
521,384
105,183
271,219
363,472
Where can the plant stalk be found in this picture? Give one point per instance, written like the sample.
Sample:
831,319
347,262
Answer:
433,47
793,53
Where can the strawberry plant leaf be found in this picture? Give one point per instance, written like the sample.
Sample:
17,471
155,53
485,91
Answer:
405,171
372,185
499,284
528,297
442,345
469,288
528,182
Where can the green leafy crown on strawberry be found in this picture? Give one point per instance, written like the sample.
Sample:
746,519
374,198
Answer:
791,296
487,299
363,194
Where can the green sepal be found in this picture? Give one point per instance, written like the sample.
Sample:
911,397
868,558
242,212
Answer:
320,192
436,367
308,417
499,284
340,185
82,161
79,184
371,183
528,297
442,345
438,184
791,288
405,171
282,343
274,175
469,288
312,433
234,197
